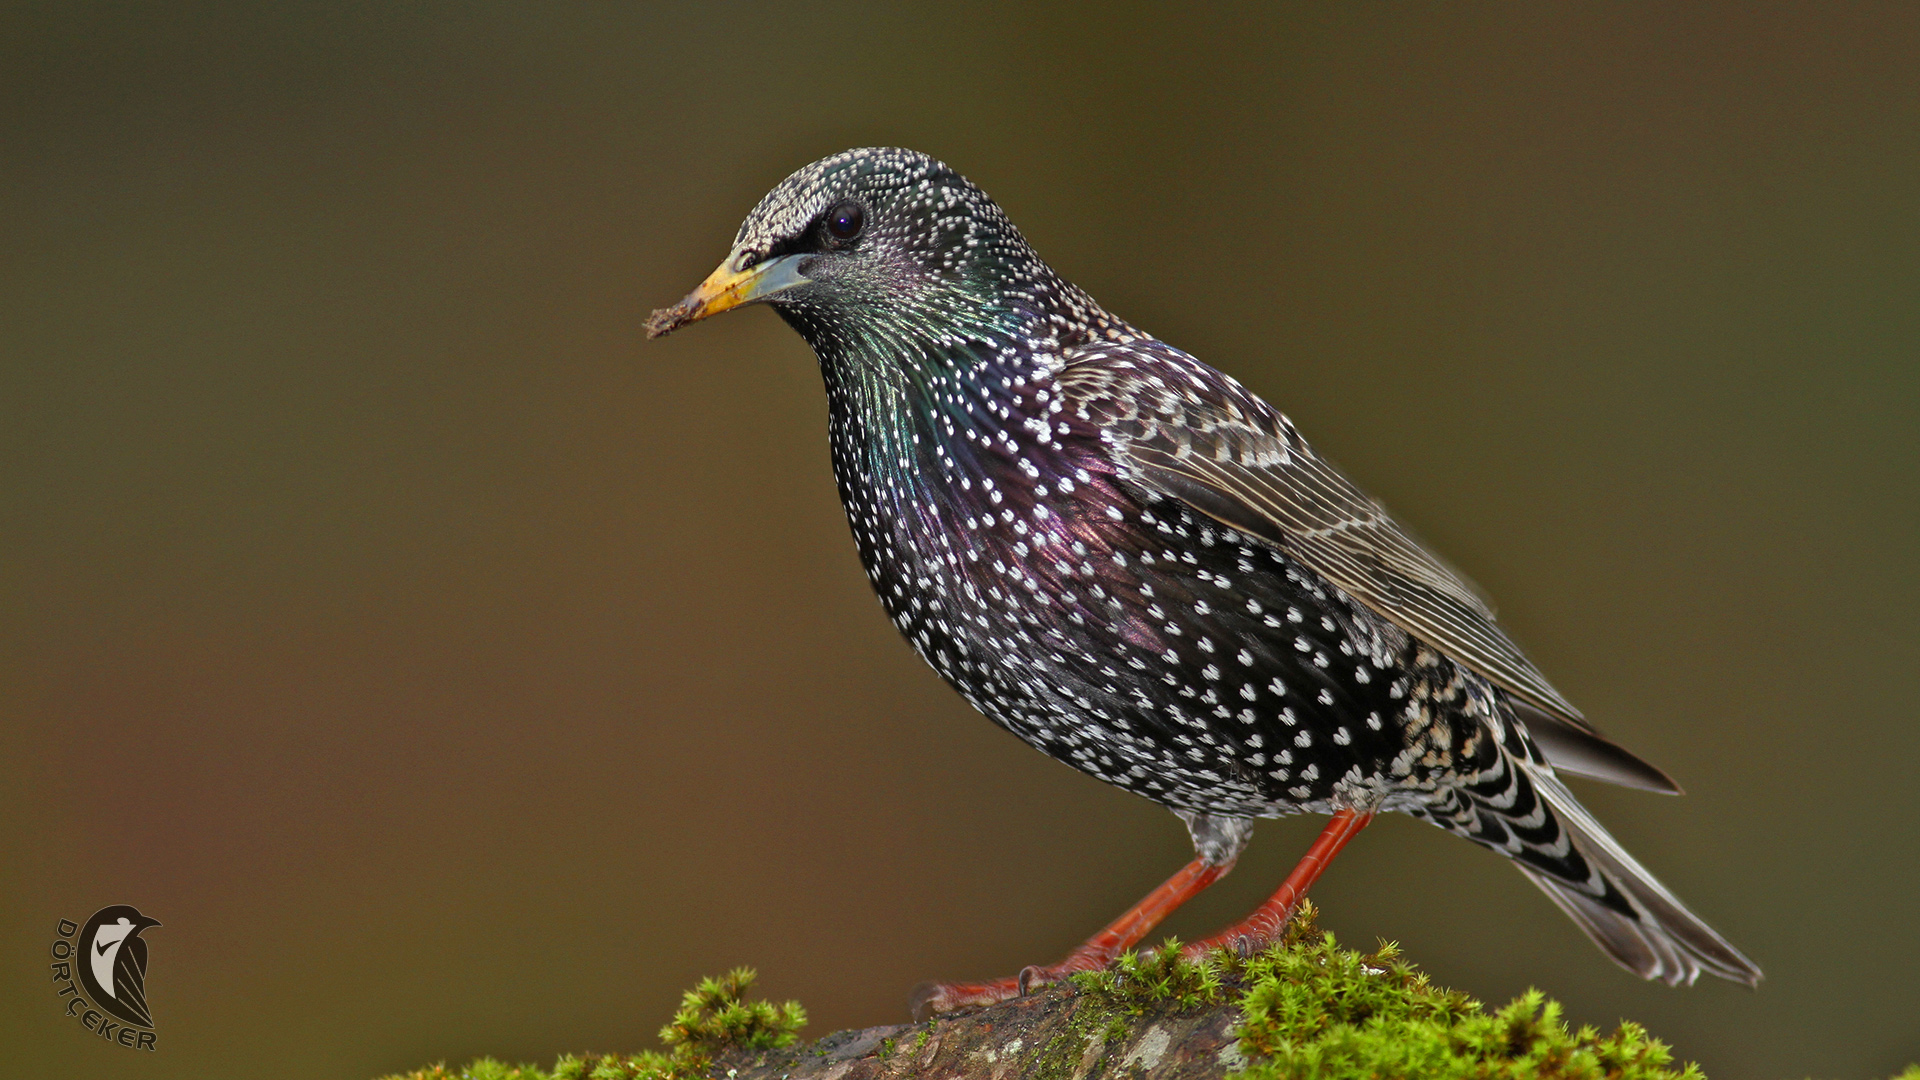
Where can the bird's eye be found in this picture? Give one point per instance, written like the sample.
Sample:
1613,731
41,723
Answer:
845,221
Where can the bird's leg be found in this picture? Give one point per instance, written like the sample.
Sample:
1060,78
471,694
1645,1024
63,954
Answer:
1120,935
1269,921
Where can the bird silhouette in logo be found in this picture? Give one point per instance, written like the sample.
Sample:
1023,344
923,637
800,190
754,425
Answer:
115,971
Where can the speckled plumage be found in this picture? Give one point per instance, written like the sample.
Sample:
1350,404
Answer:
1138,567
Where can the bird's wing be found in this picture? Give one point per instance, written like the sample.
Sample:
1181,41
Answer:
1183,430
130,979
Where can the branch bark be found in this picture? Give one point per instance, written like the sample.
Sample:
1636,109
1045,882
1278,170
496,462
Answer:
1055,1034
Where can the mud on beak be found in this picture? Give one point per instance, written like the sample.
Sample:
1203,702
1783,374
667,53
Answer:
727,288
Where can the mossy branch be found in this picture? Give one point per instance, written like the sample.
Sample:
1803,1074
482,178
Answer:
1305,1008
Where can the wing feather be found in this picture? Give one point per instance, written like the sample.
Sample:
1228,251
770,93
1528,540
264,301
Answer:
1185,431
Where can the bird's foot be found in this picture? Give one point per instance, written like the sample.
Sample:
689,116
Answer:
935,999
931,999
1247,938
1123,933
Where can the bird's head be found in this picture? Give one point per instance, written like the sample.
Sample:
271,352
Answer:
124,915
871,240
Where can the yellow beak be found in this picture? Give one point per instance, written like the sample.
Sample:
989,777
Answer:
727,288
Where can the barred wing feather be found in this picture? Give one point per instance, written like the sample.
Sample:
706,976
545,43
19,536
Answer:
1186,431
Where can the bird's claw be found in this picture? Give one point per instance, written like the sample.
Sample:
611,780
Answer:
931,999
1031,977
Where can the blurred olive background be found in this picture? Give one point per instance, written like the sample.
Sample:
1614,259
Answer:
453,672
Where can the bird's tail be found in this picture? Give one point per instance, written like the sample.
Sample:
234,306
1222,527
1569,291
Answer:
1524,812
1654,935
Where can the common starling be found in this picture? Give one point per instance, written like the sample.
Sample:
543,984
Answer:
1138,567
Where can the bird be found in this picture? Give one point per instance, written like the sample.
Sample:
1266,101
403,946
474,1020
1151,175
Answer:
115,974
1137,566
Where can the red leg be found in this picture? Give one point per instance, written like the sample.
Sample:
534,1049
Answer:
1269,920
1120,935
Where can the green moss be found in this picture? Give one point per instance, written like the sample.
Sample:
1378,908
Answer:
716,1015
1139,981
1311,1010
713,1016
1314,1011
1058,1058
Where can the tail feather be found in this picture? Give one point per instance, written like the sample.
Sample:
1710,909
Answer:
1659,938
